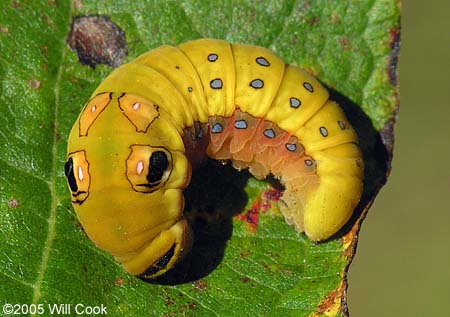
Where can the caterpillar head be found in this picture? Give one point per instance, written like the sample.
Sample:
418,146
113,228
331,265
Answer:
127,192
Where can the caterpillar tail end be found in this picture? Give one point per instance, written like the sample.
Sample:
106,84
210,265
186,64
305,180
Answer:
320,209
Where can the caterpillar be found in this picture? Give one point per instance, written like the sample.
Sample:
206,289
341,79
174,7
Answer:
134,146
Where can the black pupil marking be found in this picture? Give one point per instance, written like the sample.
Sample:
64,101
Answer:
308,162
341,125
216,128
160,263
190,89
177,67
158,165
212,57
68,170
262,61
323,131
216,83
291,147
295,103
240,124
257,84
269,133
308,86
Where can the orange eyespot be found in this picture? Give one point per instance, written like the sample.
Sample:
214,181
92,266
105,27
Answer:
148,168
139,111
91,111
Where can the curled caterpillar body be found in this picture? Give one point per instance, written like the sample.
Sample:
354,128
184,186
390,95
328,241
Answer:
129,159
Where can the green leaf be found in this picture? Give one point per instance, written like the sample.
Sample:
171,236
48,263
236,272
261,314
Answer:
241,267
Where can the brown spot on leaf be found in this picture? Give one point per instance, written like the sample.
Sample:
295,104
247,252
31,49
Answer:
268,197
97,40
294,40
331,305
4,29
314,20
245,253
52,3
192,306
349,242
387,135
261,204
335,18
74,219
167,297
44,50
251,216
200,285
73,80
119,281
306,5
264,265
13,203
393,56
46,19
78,4
34,83
344,43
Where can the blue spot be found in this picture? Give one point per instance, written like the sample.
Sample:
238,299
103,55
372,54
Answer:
291,147
295,103
212,57
269,133
308,86
216,128
257,84
216,83
262,61
240,124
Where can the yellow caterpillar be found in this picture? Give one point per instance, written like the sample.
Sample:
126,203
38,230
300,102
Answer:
131,151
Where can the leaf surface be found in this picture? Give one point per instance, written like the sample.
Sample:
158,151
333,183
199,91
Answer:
253,265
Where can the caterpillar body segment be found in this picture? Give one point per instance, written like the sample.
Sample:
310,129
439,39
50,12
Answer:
216,73
133,147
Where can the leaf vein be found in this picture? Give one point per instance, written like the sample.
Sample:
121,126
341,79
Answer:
18,280
52,183
26,172
253,279
196,300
